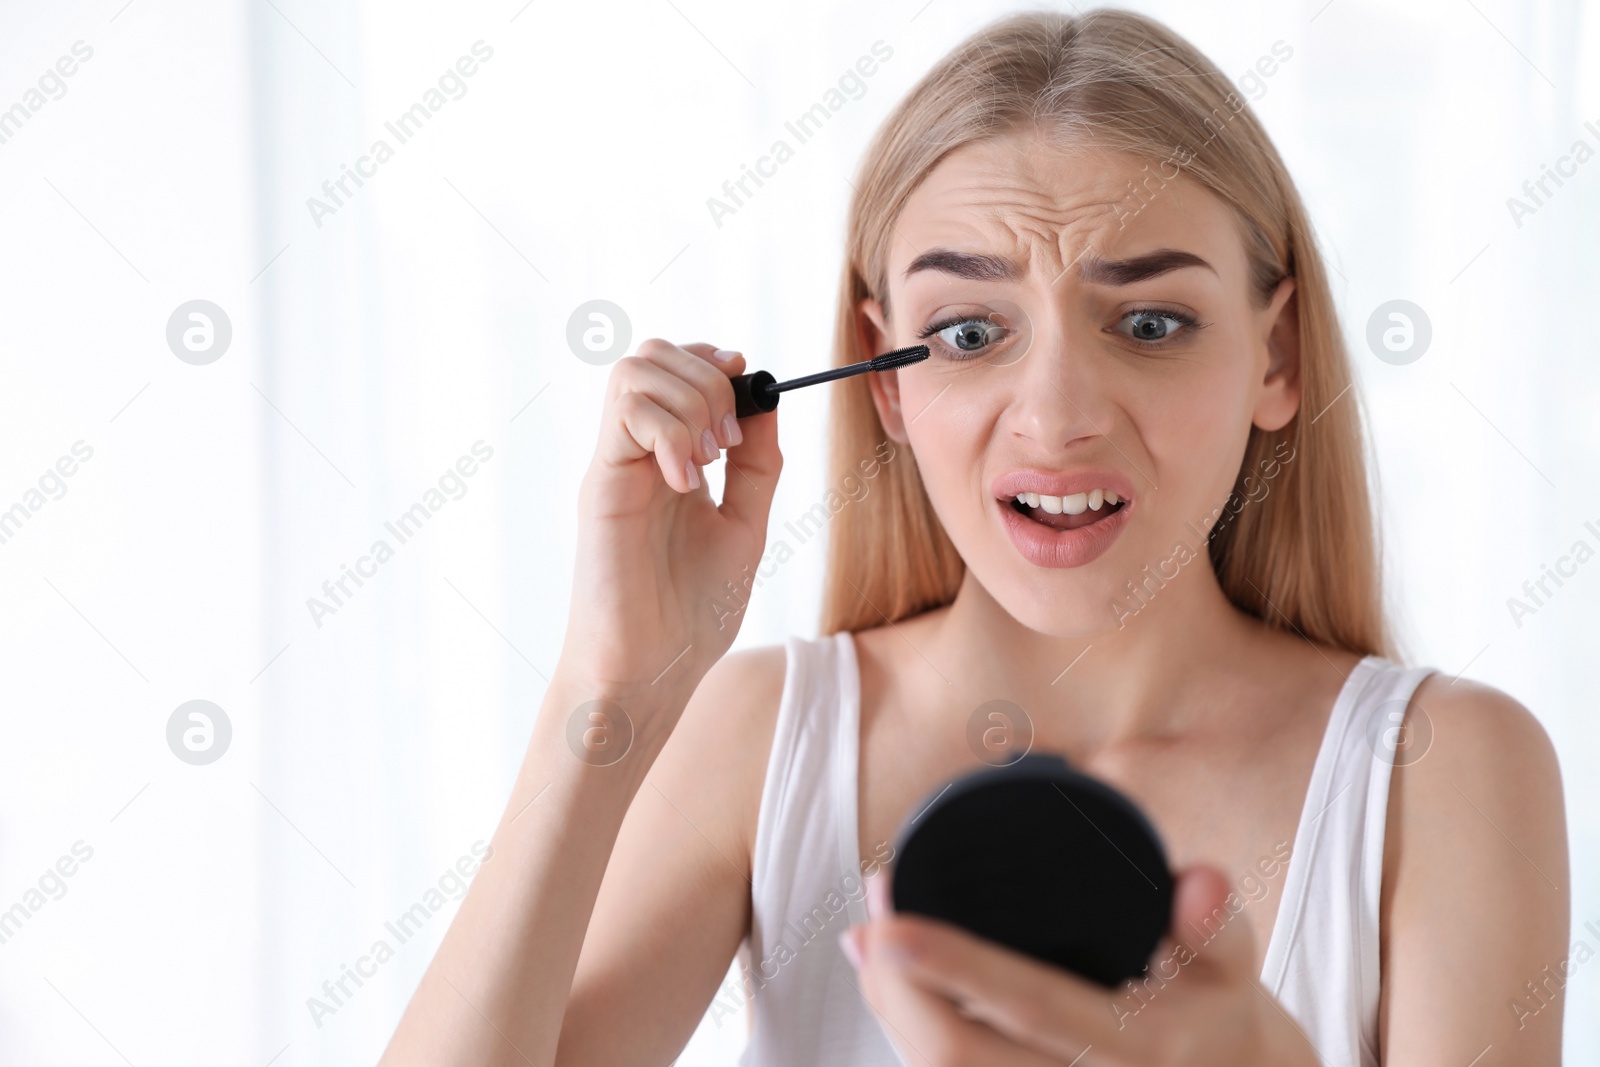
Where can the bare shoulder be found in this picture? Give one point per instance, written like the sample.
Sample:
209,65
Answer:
1479,752
738,697
1476,753
718,751
1476,896
1479,728
750,677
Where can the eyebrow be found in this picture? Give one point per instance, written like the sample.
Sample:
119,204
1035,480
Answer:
1097,271
973,266
980,267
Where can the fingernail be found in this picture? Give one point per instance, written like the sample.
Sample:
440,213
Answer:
847,944
692,473
878,897
708,444
722,355
730,430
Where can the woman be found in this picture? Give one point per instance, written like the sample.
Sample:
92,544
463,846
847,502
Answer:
1124,494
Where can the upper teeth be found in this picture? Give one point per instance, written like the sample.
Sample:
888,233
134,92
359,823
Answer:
1076,504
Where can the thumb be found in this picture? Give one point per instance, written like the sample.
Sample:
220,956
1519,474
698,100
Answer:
1206,915
752,471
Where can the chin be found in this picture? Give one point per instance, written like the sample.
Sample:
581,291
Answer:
1033,606
1077,603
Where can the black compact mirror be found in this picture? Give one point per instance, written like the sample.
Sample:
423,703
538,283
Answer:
1042,859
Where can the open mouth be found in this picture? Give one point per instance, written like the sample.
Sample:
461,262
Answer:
1071,512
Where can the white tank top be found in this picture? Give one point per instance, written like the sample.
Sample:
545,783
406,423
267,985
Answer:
806,885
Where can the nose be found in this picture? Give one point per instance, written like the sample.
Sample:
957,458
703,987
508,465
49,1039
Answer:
1057,397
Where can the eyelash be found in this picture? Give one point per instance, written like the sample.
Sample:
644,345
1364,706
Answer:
957,320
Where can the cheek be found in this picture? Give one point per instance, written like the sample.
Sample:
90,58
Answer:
1194,426
931,396
948,430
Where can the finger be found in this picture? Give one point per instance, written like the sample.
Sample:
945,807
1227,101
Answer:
731,363
1200,903
709,378
1030,1002
928,1028
728,360
651,429
754,461
672,393
880,903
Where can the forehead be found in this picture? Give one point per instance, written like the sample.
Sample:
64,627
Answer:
1044,204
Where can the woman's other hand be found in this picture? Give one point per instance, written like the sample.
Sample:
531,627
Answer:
946,997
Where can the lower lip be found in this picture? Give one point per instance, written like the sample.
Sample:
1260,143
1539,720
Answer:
1046,547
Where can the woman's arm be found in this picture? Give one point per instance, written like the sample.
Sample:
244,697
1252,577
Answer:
670,912
675,902
496,990
655,554
1476,895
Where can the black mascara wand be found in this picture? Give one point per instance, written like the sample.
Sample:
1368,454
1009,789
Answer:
758,393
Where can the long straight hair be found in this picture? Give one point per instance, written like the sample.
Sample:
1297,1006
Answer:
1305,557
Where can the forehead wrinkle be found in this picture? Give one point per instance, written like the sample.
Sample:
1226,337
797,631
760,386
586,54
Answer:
1032,239
1052,244
1044,218
1026,201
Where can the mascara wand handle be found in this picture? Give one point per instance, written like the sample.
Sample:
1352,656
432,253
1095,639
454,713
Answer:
752,394
755,394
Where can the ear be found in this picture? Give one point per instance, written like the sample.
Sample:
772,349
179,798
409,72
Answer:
1280,388
873,329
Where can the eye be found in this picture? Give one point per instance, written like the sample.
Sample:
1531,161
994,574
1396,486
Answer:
966,337
1154,327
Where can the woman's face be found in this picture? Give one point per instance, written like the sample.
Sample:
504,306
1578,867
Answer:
1083,338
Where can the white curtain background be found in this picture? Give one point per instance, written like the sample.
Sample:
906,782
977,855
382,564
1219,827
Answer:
377,342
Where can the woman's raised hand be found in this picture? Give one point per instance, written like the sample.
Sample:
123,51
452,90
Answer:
650,595
648,618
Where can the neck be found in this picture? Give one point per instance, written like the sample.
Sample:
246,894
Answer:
1124,682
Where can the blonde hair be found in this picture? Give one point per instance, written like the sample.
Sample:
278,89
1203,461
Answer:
1305,556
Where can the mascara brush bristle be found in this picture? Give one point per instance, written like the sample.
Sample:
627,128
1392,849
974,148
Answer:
900,357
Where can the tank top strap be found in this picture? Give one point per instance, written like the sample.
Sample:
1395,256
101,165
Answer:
809,797
846,764
1322,960
798,793
806,885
